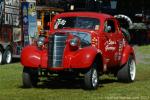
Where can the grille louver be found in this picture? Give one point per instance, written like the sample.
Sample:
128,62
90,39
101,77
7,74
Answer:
56,48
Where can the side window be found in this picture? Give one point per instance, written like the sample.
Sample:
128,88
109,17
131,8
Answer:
109,26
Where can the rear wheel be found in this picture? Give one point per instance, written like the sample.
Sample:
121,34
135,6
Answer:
7,56
128,72
1,55
30,77
91,78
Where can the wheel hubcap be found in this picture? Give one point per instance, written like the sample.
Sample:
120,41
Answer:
0,57
132,70
8,57
94,78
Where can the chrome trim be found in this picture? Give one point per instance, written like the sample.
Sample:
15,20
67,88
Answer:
56,49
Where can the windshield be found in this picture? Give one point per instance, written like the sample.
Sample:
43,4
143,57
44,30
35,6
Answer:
77,22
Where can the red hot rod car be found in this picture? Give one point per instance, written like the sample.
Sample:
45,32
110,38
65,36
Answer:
85,44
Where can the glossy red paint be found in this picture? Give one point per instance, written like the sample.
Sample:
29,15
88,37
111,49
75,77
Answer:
110,45
85,59
31,56
128,50
80,58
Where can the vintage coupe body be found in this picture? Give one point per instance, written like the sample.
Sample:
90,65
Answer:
84,44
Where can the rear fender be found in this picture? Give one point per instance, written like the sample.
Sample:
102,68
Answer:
128,51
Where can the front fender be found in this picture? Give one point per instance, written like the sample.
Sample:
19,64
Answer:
30,56
84,58
128,51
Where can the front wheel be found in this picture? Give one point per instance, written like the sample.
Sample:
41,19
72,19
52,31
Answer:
91,78
30,77
128,72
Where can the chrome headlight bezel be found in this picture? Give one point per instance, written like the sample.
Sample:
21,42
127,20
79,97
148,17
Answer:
40,41
74,42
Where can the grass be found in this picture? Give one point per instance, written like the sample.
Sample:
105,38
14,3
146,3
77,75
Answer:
11,86
144,49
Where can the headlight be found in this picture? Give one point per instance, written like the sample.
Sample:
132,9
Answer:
40,41
74,42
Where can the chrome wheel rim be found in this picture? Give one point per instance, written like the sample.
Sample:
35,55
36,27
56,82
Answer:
132,70
8,57
94,78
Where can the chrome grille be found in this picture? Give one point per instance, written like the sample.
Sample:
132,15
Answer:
56,48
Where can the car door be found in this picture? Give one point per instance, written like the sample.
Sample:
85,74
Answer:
111,45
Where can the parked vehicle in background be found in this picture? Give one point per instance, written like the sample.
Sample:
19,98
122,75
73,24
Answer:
17,20
81,44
